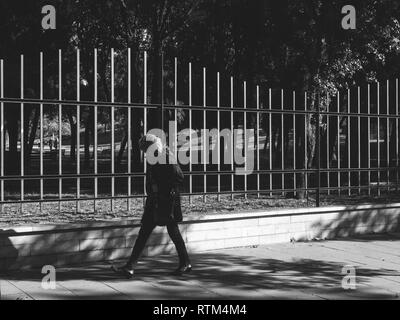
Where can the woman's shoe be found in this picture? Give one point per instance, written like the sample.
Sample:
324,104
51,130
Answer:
186,268
123,271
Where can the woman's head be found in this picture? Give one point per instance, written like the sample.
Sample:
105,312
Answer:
148,140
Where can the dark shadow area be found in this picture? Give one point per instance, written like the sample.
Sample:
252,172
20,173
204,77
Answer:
59,244
231,275
74,245
8,252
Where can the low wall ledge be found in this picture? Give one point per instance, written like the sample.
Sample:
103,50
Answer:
13,231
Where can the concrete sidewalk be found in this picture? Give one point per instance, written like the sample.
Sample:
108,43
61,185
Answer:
310,270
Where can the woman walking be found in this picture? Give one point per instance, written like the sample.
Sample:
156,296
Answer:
163,205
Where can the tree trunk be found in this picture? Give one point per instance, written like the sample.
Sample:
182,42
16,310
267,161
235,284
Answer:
87,145
73,135
300,159
310,132
122,147
32,134
12,128
89,128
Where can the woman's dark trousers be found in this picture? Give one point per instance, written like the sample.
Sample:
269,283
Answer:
144,234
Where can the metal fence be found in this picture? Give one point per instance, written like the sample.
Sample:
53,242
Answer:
352,137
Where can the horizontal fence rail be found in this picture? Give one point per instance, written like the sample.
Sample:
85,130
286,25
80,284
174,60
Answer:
242,141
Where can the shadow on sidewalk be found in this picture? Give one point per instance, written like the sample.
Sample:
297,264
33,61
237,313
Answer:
8,252
222,270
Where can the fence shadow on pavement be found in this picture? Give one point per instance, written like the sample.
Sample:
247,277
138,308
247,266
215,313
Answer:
227,274
355,223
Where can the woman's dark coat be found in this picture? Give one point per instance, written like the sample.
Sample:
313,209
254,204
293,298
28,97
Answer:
165,205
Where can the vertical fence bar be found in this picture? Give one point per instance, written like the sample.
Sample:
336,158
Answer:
218,138
205,153
162,95
282,144
379,136
387,136
258,139
190,135
327,144
270,140
305,145
294,145
22,132
145,115
397,135
245,136
95,130
145,78
41,130
232,143
348,142
175,110
59,129
369,136
338,145
2,149
318,154
78,132
129,141
96,180
112,131
359,136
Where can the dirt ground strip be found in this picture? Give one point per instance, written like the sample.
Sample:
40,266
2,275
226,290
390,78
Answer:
49,212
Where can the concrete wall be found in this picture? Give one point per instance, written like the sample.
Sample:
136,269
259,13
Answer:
61,245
